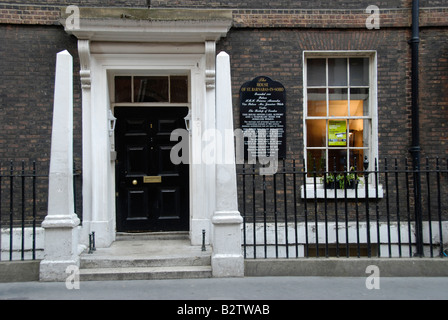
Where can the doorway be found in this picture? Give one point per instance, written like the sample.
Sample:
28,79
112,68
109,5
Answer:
152,192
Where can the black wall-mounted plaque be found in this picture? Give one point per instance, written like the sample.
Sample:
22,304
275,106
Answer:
262,108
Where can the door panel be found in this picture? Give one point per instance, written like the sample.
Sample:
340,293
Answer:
166,126
169,200
137,160
166,167
137,204
152,192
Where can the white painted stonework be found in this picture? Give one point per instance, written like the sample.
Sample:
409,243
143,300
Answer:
110,47
16,254
61,222
227,259
322,234
99,169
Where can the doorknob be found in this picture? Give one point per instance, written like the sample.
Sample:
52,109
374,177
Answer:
134,182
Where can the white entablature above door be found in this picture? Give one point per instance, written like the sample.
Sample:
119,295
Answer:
147,25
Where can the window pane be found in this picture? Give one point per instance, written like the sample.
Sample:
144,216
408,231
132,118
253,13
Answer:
338,104
359,71
337,72
366,132
357,160
123,89
316,74
356,132
359,102
179,89
317,103
316,133
150,89
316,159
337,159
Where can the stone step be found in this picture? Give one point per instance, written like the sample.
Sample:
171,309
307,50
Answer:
174,235
92,262
145,273
145,257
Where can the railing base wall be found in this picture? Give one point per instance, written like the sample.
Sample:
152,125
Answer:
343,267
19,271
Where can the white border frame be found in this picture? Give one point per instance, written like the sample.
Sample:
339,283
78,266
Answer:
99,212
373,100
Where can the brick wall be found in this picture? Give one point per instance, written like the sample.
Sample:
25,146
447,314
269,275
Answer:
275,50
268,17
249,4
84,3
27,69
337,18
13,14
288,4
434,92
265,40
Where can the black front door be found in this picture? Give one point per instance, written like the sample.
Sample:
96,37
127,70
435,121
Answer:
152,192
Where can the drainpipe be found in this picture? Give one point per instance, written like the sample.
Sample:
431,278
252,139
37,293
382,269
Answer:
415,148
414,42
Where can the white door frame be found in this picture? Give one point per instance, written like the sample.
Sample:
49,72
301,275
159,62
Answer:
144,39
99,213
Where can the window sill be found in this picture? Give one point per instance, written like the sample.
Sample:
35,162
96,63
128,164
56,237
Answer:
319,193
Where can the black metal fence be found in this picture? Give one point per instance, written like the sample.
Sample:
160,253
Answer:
386,209
23,206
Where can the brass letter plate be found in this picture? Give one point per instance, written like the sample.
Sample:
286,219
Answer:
152,179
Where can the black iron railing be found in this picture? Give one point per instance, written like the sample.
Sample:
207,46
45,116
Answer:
386,209
23,206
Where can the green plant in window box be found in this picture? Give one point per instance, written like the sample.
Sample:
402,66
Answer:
330,181
350,181
341,181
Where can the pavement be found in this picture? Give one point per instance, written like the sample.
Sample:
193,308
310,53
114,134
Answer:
236,289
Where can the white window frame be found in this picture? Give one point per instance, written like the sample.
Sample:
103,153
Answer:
371,153
138,73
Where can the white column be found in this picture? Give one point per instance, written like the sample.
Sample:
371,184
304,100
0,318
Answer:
200,216
61,222
227,258
86,81
203,121
103,213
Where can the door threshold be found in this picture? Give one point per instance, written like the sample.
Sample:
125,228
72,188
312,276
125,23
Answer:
169,235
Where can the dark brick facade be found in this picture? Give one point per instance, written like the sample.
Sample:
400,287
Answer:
267,38
27,88
27,70
250,4
434,91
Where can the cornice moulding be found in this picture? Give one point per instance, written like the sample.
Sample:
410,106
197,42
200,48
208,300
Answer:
148,25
